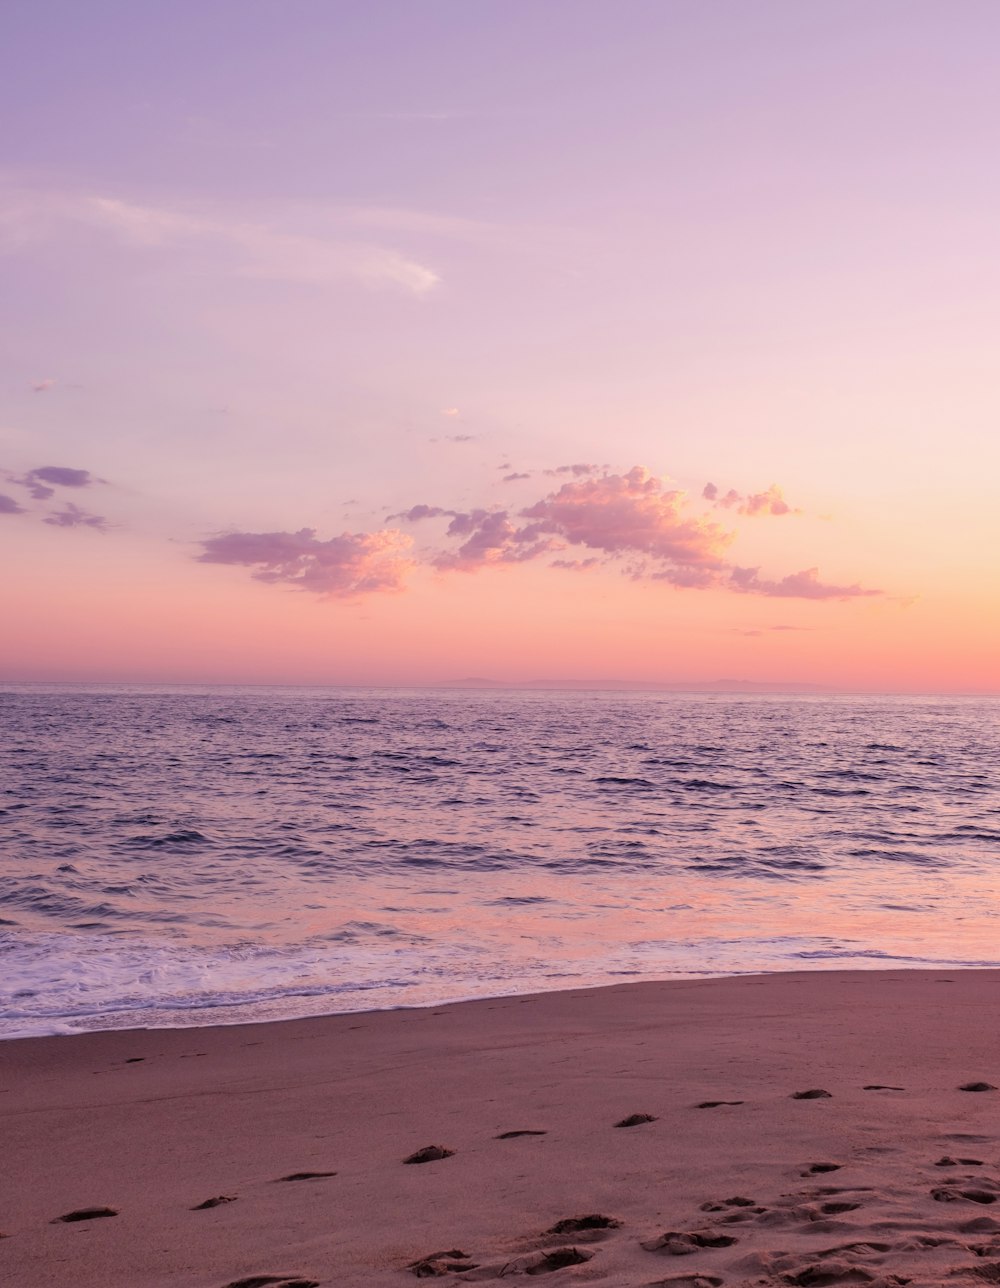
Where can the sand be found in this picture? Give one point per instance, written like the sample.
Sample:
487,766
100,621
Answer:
724,1176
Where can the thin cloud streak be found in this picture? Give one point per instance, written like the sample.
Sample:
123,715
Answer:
252,248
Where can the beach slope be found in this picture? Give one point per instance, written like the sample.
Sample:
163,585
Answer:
799,1129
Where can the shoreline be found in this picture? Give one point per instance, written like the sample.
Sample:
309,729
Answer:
153,1123
247,1016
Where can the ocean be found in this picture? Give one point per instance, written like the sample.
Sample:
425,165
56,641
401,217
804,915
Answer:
184,855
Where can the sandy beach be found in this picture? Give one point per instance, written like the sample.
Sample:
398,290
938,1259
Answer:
887,1172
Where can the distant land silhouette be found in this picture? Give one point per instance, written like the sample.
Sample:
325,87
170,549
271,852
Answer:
679,686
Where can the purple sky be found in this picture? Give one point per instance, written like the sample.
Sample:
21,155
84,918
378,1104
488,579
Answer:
275,268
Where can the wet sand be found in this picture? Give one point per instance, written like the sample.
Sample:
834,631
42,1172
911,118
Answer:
635,1135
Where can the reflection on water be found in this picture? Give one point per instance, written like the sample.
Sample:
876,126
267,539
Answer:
194,855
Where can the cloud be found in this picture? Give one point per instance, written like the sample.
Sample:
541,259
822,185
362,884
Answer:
9,506
62,476
797,585
249,247
632,521
417,512
40,386
264,252
578,471
491,538
770,501
461,438
71,516
514,478
38,481
575,565
351,564
449,411
41,484
632,514
651,531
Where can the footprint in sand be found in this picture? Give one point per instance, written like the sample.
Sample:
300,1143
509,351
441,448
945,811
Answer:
680,1243
687,1281
544,1263
451,1261
815,1169
977,1086
533,1263
714,1104
575,1224
720,1205
429,1154
217,1201
958,1162
524,1131
815,1093
879,1086
836,1272
947,1194
636,1120
85,1214
304,1176
273,1281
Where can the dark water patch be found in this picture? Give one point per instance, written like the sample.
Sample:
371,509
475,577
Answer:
617,781
183,836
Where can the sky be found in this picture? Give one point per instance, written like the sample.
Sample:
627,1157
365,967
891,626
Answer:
569,342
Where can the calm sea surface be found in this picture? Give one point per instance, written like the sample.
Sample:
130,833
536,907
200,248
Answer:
187,856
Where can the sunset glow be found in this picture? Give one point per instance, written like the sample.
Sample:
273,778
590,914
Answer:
611,346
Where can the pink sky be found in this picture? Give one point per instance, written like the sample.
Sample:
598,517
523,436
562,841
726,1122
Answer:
569,343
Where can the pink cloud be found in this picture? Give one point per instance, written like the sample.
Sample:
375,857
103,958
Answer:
797,585
514,478
578,471
632,520
631,514
575,565
770,501
9,506
490,538
351,564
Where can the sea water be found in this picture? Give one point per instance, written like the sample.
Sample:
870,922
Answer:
210,855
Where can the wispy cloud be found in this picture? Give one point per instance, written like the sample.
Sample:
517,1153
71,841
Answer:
797,585
72,516
244,246
9,506
262,251
577,471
